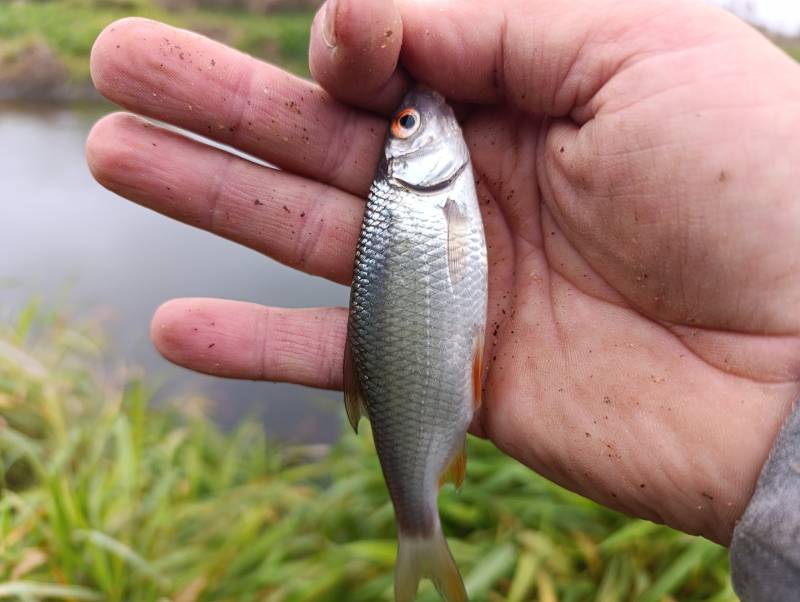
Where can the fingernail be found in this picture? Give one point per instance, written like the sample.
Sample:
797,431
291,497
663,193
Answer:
329,24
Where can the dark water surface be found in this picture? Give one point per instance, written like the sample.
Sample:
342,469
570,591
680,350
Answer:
62,231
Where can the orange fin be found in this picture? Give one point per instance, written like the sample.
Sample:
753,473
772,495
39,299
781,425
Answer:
457,233
353,393
477,372
457,469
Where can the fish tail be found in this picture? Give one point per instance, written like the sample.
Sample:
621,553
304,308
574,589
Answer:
426,556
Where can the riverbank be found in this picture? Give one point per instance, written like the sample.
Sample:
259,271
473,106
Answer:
45,46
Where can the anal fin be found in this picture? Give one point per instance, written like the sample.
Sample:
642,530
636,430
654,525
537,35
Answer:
457,469
353,393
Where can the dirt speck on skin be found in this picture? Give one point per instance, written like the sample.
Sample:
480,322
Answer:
302,214
641,485
211,345
213,62
257,203
387,33
722,176
561,150
606,399
286,209
708,496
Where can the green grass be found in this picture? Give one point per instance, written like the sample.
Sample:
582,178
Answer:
69,27
793,50
107,497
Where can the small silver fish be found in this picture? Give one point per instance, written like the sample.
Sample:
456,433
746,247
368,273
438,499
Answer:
415,331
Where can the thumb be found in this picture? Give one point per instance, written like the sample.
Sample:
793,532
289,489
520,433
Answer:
542,57
354,51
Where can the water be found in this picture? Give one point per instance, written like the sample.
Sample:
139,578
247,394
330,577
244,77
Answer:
62,229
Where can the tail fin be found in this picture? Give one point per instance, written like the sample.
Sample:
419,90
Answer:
419,557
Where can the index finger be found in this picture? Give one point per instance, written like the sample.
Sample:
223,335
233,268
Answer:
195,83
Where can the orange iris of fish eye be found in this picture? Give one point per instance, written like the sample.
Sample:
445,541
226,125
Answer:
405,123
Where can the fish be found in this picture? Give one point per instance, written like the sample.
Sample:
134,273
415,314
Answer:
416,322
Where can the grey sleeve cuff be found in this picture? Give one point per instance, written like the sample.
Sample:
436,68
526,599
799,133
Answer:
765,552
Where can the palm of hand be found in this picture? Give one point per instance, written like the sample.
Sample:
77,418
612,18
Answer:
601,375
634,353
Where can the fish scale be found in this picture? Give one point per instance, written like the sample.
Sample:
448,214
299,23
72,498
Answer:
409,401
417,314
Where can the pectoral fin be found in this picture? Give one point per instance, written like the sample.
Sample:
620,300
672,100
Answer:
353,393
477,372
457,236
457,469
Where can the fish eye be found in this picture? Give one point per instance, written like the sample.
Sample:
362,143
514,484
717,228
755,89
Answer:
406,123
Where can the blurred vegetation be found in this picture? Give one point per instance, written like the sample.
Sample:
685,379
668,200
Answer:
792,47
69,28
45,44
106,497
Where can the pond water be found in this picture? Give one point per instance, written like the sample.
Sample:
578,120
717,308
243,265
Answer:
64,232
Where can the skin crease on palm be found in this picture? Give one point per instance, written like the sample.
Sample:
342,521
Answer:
636,167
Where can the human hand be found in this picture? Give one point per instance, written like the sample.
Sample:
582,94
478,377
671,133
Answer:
636,167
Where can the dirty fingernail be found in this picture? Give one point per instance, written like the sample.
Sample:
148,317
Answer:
329,24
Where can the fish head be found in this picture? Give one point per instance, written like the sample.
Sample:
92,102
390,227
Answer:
425,149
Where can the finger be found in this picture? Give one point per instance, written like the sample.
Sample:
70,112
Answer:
354,52
192,82
299,222
234,339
